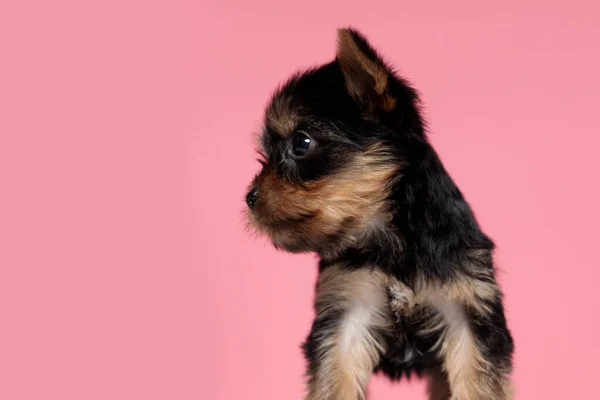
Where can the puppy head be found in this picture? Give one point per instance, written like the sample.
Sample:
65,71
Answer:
331,152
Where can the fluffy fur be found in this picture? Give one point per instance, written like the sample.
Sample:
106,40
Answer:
406,282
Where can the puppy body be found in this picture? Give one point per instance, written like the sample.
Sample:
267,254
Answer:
406,281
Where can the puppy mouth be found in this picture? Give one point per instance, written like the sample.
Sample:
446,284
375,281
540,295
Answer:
275,223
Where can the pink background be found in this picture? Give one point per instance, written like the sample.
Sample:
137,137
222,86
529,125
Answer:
125,149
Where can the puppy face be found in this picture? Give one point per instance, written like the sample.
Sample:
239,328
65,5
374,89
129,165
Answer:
329,153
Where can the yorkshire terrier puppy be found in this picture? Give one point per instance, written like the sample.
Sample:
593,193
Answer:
406,278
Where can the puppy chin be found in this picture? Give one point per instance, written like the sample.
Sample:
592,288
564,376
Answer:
286,239
298,234
290,241
323,245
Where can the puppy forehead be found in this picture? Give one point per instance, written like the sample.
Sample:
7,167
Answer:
315,93
282,117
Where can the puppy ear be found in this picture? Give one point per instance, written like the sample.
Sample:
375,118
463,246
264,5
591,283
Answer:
366,75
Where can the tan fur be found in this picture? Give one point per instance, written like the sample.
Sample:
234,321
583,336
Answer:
470,292
359,191
402,298
470,375
281,117
353,201
351,350
354,63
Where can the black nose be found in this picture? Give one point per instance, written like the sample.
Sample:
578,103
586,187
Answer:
251,197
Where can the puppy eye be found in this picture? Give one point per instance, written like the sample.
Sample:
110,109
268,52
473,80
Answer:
300,144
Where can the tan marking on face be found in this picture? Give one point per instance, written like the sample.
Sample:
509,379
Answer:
281,117
350,202
350,351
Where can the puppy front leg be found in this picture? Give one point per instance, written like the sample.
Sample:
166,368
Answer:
476,346
346,340
476,353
